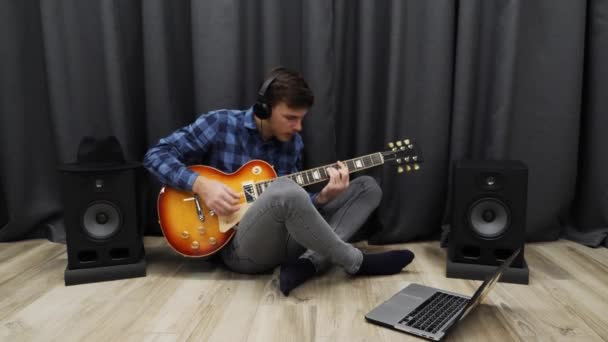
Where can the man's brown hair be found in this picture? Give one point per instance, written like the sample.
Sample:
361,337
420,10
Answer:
290,87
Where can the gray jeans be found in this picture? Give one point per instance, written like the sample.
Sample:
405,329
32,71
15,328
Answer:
283,225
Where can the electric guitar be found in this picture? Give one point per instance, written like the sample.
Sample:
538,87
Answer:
193,230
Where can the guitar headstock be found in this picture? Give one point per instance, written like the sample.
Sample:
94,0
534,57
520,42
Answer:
405,154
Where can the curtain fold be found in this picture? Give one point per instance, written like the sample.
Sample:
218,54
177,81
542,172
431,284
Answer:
590,222
469,79
27,142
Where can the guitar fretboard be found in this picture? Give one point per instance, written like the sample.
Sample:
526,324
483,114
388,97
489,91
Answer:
320,174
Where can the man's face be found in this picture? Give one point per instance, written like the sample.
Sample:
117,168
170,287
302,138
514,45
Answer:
285,121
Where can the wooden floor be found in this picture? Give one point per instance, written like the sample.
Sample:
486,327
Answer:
190,299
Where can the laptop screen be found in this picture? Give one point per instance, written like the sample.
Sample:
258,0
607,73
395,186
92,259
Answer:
487,285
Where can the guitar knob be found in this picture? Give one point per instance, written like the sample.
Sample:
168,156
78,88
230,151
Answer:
400,169
391,145
195,245
212,240
201,230
416,167
211,212
406,141
185,235
399,143
408,168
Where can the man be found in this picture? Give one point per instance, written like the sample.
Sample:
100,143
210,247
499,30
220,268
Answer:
304,233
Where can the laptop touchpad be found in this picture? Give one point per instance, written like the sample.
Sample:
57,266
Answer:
395,309
408,302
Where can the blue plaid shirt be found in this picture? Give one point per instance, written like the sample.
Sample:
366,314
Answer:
223,139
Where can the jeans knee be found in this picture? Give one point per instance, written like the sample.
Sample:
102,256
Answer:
371,188
288,191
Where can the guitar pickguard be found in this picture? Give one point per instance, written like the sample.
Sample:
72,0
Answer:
228,222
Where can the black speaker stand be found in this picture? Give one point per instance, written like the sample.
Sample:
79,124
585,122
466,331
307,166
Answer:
105,273
516,275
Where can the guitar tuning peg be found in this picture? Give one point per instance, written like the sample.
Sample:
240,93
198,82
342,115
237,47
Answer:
410,146
400,169
394,149
399,143
416,167
406,141
391,145
415,158
408,168
398,160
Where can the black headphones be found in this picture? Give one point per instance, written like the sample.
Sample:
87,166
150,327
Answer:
261,109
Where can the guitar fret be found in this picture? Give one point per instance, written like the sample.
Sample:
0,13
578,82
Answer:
324,172
378,161
316,175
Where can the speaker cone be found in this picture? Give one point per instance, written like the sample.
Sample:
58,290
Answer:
101,220
489,218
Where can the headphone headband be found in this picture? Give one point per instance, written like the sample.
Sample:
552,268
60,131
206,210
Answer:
273,76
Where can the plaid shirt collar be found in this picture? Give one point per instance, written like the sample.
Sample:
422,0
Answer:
250,120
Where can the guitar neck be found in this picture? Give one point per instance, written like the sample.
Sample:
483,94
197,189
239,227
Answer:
320,174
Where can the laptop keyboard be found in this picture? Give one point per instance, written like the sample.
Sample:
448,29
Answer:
434,312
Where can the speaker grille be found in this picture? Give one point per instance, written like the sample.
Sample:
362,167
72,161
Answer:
489,218
101,220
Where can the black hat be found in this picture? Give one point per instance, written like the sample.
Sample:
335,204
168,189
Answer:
102,154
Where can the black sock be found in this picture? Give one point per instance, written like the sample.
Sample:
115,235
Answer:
385,263
294,274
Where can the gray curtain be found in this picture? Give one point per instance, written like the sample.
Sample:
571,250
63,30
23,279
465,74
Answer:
503,79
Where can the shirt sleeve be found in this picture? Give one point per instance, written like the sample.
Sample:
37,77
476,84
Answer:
167,159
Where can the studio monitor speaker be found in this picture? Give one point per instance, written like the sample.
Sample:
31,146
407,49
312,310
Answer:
488,219
103,230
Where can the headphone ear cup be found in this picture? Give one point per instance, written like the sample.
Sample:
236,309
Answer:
260,110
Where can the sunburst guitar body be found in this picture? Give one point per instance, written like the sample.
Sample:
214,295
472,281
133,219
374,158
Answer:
190,227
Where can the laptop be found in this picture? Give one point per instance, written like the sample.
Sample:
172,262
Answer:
429,312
